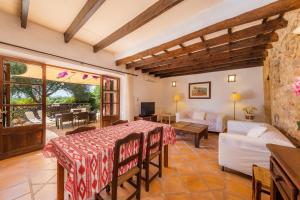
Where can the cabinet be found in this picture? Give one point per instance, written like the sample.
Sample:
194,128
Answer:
285,170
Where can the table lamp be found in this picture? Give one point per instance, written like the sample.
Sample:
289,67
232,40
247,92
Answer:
235,97
176,99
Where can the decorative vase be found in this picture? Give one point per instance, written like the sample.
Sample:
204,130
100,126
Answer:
249,117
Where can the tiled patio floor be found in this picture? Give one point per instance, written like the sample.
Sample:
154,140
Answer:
193,174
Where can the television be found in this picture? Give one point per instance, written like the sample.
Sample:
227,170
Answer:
147,108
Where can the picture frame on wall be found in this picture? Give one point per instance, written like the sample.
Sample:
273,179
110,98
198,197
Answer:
200,90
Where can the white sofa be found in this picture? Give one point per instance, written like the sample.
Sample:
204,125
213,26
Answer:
214,121
239,150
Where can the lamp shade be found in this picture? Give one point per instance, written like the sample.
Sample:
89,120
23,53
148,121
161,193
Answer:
176,97
235,96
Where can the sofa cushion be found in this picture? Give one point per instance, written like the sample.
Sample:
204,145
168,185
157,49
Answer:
198,115
256,131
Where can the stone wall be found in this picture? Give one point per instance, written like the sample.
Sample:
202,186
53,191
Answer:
281,68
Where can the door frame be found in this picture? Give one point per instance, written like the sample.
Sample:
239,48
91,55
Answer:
26,130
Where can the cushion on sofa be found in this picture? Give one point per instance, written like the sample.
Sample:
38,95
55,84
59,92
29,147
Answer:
256,131
199,115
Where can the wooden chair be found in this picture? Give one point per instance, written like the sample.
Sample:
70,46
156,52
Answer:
118,180
261,182
83,116
81,129
153,150
119,122
66,117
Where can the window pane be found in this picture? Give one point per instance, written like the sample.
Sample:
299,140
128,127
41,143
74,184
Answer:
110,84
18,72
110,109
110,97
21,94
21,115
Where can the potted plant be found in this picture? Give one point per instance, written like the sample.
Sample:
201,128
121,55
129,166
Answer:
297,92
249,112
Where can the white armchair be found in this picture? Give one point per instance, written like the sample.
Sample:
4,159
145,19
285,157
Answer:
239,151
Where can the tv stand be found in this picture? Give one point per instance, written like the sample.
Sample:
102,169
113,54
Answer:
152,118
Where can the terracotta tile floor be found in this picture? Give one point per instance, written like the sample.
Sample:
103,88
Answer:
193,174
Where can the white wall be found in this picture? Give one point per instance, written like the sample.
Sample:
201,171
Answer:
145,89
249,84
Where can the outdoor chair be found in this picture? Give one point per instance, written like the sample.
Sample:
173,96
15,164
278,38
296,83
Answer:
81,129
48,120
83,117
30,116
122,161
153,150
66,117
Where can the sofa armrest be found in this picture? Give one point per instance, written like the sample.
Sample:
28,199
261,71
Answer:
241,127
178,116
240,152
220,123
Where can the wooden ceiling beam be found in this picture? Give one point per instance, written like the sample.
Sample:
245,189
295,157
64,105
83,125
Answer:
150,13
227,66
228,56
197,65
88,10
271,9
238,35
24,13
222,68
250,42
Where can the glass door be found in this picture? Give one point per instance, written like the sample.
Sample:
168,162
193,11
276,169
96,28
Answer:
110,100
22,106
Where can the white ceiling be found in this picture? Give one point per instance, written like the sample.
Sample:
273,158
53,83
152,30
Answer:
58,15
185,17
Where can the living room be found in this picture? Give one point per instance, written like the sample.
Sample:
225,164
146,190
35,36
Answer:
216,97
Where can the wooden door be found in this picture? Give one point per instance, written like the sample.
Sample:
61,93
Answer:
110,100
21,97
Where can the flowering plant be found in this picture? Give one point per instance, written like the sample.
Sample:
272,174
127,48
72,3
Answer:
249,110
296,86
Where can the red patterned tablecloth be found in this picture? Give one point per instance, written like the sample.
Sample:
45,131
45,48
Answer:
88,156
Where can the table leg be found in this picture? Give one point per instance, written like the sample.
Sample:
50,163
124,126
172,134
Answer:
60,182
206,134
166,156
197,140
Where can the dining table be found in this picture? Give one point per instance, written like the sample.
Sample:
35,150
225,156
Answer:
87,157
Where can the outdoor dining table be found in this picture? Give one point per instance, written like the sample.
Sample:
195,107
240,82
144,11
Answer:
88,156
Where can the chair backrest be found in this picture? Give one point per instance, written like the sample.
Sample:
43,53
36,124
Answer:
83,115
119,122
154,141
134,140
81,129
30,116
66,117
76,110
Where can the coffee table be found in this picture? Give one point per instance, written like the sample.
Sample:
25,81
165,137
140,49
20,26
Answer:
199,130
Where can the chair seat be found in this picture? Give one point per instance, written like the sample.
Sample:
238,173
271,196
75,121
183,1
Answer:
263,175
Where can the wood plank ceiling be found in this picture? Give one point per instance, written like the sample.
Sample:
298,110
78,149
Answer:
237,48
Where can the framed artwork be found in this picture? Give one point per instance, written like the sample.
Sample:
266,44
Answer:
200,90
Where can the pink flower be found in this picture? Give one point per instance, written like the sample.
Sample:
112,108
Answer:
296,86
85,76
95,77
62,74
